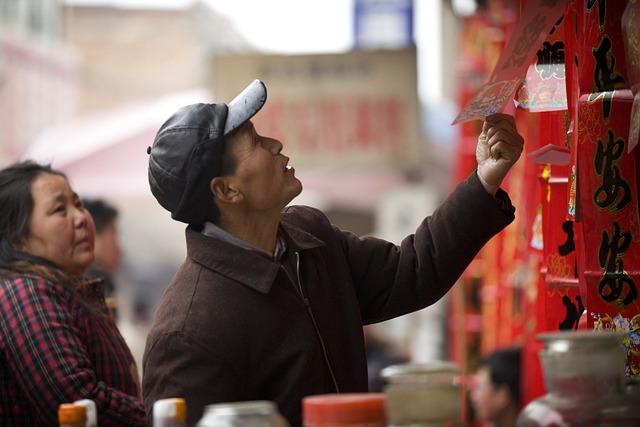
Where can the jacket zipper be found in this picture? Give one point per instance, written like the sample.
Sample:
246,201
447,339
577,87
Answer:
313,319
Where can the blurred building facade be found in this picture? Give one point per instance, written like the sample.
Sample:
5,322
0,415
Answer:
63,59
38,74
140,53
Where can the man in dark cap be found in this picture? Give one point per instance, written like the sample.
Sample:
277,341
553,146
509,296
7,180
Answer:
495,394
270,302
107,248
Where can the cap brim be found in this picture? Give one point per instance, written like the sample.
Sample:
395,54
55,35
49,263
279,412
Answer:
245,105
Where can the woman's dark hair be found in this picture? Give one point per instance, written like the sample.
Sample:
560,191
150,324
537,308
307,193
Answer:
504,369
16,206
102,212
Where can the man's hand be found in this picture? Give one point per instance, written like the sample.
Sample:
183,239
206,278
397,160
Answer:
499,147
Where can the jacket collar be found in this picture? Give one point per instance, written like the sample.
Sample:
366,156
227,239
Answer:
297,238
248,267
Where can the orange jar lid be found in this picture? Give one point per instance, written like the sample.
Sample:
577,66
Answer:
171,408
181,410
69,413
347,408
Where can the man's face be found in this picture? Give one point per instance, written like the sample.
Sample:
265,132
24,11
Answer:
486,400
107,248
262,173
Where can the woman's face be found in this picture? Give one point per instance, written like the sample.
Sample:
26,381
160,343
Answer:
60,229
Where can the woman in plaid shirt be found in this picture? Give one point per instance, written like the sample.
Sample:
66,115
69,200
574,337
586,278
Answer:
57,343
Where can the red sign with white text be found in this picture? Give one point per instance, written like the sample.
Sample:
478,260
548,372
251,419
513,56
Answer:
343,111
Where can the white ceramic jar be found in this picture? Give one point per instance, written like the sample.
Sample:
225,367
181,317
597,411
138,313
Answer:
423,394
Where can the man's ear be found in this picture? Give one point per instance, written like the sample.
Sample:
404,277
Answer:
502,396
224,191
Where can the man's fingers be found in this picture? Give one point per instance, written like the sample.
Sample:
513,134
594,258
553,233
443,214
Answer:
502,137
495,118
503,124
503,150
495,152
508,137
505,145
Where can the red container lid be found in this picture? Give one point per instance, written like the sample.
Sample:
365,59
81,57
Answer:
347,408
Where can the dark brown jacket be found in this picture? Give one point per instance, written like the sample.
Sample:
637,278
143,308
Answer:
234,325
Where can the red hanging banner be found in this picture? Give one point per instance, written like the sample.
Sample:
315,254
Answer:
608,195
562,299
601,56
573,94
631,37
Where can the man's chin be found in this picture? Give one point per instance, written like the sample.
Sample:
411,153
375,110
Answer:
294,192
299,190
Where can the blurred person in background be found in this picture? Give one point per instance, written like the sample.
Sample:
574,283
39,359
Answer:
381,353
107,248
495,394
270,302
57,342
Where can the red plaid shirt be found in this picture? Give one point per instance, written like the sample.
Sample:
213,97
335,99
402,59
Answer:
53,351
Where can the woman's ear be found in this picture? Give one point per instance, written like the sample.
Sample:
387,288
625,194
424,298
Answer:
17,243
224,191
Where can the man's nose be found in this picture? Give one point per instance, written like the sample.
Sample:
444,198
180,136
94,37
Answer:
275,146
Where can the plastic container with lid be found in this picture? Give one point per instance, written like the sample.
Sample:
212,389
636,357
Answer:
170,412
92,413
423,394
72,415
345,410
259,413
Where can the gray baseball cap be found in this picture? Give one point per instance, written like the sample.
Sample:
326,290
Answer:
187,152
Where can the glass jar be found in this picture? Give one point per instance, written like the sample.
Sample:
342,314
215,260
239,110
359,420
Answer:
423,394
345,410
170,412
90,409
260,413
584,377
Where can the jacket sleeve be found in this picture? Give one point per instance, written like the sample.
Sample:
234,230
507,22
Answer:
45,352
393,280
176,365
